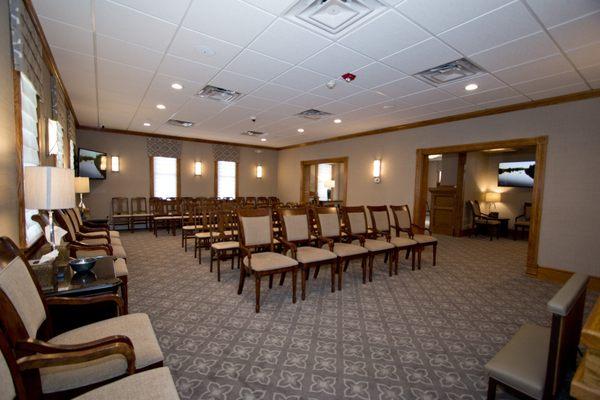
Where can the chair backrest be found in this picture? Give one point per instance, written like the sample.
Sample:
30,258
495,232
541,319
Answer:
295,224
380,218
567,308
63,220
119,206
139,205
255,227
11,384
328,221
73,217
527,210
355,219
475,209
22,307
402,218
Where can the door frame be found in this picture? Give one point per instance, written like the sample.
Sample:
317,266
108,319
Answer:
335,160
541,145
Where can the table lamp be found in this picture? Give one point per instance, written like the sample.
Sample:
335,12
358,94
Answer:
49,188
492,198
82,185
329,185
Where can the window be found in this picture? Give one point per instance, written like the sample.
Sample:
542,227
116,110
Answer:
324,174
55,141
165,177
226,179
31,156
71,154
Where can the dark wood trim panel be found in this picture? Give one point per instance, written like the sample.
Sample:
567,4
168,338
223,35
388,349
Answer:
178,177
536,205
19,152
151,169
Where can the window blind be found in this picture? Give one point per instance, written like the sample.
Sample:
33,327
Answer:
71,154
226,179
55,141
165,177
324,174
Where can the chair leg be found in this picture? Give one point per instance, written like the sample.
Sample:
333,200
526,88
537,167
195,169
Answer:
212,256
390,261
363,265
491,392
346,265
282,279
332,277
242,279
294,273
218,266
304,274
257,287
317,269
414,250
338,267
419,257
124,293
434,253
271,281
371,262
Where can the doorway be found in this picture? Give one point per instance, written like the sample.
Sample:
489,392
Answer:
324,181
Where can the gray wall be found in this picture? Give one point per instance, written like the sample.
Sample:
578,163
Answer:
134,178
569,228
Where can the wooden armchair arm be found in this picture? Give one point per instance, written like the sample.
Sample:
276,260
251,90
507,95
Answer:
74,247
246,252
360,238
96,225
291,246
521,216
88,229
40,346
323,240
38,361
81,236
79,301
421,228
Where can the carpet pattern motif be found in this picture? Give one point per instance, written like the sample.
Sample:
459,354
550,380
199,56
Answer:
420,335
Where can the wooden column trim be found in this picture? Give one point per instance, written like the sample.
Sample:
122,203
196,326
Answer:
460,183
151,169
19,158
536,205
178,177
420,197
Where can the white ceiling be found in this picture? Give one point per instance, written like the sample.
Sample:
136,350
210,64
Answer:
118,59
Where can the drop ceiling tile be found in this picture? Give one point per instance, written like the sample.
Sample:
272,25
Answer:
438,15
127,24
402,87
68,37
554,12
79,11
309,100
127,53
87,114
336,60
267,117
422,56
109,99
386,34
283,109
549,82
577,33
426,97
255,103
227,117
276,92
337,107
301,79
341,89
198,109
519,51
491,95
534,70
559,91
484,82
276,7
121,78
595,84
450,104
173,13
231,20
201,48
159,94
72,62
376,74
232,81
491,30
182,68
257,65
585,56
591,73
289,42
366,98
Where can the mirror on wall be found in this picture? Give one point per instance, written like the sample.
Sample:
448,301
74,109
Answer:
324,181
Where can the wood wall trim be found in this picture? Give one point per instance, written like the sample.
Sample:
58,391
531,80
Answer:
151,169
560,276
19,157
459,117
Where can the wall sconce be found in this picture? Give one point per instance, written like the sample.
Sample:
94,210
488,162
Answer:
259,171
377,171
103,163
115,164
198,168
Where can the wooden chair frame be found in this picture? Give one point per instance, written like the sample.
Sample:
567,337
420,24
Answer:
387,233
140,213
491,228
119,211
525,216
225,230
207,219
63,220
420,246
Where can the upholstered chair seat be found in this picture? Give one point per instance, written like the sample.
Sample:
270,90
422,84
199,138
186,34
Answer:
119,251
228,245
419,238
346,249
377,245
202,235
113,234
136,327
76,218
268,261
307,255
400,241
522,223
191,227
487,221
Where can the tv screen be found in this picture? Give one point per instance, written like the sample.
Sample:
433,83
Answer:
516,174
91,164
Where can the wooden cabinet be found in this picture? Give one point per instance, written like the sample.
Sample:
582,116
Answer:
445,211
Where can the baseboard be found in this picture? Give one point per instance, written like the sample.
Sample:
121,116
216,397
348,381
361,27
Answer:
561,276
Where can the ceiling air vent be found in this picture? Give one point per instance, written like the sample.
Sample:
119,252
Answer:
178,122
313,114
333,17
253,133
218,94
450,72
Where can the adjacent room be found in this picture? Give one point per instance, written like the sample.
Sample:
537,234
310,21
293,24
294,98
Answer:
299,199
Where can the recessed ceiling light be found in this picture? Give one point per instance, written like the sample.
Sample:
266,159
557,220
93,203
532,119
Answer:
177,86
471,86
161,106
300,130
263,140
337,121
147,124
205,51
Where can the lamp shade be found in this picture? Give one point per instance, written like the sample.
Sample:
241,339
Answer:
82,184
49,188
329,184
492,197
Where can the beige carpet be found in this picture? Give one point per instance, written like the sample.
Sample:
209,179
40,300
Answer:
420,335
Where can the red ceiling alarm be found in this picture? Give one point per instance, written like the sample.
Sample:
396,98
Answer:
348,77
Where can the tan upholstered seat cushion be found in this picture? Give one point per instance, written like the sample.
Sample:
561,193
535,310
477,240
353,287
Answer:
119,251
202,235
268,261
521,364
135,326
113,234
155,384
94,241
191,227
225,245
345,249
522,223
400,241
377,245
487,221
424,239
120,268
6,383
307,255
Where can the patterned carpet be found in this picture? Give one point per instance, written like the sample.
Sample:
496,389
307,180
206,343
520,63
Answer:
419,335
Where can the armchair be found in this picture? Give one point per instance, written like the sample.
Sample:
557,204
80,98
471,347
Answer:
404,228
90,227
522,221
119,212
223,238
480,219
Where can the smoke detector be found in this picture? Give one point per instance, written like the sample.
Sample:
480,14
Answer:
178,122
348,77
313,114
218,94
449,72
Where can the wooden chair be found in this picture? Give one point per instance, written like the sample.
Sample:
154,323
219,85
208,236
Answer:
92,228
256,233
305,247
27,324
404,227
167,215
328,227
537,359
480,219
522,221
190,222
224,242
140,212
119,212
206,220
355,226
382,227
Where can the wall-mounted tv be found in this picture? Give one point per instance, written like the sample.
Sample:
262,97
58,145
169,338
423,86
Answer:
516,174
91,164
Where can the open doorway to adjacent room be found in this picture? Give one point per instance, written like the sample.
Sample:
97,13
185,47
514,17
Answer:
325,181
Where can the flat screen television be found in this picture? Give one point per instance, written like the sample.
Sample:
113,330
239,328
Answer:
91,164
516,174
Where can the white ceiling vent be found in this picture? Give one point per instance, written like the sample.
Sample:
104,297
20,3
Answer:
449,72
218,94
178,122
313,114
333,17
